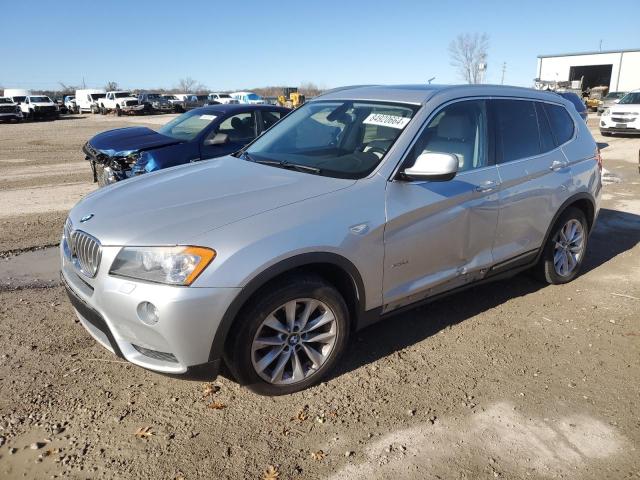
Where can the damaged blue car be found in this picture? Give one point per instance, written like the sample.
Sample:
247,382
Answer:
200,134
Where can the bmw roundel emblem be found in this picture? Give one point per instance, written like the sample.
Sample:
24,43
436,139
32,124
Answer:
86,218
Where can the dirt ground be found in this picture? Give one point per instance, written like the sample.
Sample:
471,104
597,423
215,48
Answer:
510,380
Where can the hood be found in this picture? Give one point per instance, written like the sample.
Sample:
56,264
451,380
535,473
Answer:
175,205
625,107
123,141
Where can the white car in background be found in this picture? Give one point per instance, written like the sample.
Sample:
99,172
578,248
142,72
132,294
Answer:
248,98
39,106
9,110
622,117
223,98
120,101
87,100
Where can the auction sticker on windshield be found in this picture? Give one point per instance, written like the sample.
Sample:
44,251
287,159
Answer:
383,120
207,117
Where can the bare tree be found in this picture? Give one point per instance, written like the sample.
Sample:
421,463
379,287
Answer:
187,85
468,53
64,88
111,86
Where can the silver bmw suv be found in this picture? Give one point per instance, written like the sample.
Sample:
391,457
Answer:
361,203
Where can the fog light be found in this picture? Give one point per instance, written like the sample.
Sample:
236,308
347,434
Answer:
148,313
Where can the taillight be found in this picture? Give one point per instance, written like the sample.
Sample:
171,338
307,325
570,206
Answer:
599,158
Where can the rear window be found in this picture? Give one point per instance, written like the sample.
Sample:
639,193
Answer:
517,129
575,99
561,122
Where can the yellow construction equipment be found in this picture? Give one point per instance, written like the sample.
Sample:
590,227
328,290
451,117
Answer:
291,98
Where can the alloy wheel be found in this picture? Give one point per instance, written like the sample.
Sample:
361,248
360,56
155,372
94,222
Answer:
294,341
568,248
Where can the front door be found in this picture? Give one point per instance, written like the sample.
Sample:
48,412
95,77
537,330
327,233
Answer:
439,235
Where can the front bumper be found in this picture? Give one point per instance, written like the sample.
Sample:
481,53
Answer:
11,116
620,124
179,343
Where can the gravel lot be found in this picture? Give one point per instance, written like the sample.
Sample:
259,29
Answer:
509,380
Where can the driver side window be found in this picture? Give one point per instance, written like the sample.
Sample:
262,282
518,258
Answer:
459,129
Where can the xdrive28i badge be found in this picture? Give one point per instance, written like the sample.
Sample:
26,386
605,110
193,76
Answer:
86,218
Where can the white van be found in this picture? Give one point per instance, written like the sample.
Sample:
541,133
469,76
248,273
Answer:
87,99
249,98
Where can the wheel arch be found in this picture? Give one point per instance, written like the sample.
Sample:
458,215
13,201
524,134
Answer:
334,268
583,201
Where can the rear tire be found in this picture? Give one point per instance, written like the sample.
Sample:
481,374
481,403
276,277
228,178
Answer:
565,248
293,346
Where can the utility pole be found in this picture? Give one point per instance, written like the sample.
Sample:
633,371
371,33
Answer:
600,44
504,69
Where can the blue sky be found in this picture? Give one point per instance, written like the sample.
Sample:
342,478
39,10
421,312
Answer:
232,45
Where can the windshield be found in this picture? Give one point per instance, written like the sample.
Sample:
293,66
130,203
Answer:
253,96
614,95
5,100
223,95
40,99
122,94
630,98
343,139
170,97
188,125
153,95
19,99
96,96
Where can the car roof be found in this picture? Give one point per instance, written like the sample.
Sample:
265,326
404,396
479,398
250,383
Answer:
420,94
230,108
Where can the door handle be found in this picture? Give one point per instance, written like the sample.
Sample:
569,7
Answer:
557,165
487,186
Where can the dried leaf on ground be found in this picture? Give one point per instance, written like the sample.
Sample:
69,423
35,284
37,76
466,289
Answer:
216,405
319,455
144,432
51,451
271,473
303,414
210,389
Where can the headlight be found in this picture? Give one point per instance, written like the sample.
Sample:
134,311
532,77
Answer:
606,112
169,265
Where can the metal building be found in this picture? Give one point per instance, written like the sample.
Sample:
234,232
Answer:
617,69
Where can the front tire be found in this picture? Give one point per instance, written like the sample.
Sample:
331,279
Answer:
566,246
289,337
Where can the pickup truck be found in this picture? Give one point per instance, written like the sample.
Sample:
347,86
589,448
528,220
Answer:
121,102
154,102
9,110
39,106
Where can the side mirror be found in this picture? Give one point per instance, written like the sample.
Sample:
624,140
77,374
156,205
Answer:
434,166
218,139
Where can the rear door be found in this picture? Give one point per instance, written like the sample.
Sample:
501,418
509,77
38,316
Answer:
439,235
240,128
534,172
268,118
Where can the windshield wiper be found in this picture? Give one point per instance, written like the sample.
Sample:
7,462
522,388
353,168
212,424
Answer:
290,166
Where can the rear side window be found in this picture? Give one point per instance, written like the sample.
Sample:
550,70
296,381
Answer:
547,142
517,133
561,122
